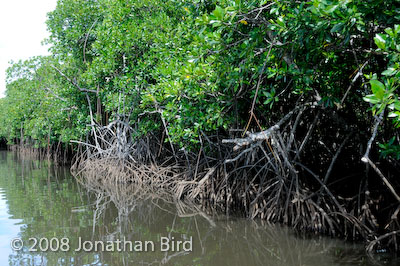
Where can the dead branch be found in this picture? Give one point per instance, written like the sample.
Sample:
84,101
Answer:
263,135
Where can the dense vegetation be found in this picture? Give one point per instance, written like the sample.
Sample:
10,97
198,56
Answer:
199,64
191,72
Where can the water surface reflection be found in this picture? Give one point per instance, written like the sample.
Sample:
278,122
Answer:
41,201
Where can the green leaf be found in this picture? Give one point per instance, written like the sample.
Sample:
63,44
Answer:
389,72
263,2
377,88
380,41
331,9
389,31
371,99
397,105
219,13
337,28
396,29
280,22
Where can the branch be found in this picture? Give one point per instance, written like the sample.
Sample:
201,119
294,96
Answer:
86,39
366,159
73,82
387,183
254,137
374,133
55,95
372,244
328,173
359,73
240,155
259,10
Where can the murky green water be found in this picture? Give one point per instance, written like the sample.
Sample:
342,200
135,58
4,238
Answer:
43,202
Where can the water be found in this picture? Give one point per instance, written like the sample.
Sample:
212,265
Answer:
38,201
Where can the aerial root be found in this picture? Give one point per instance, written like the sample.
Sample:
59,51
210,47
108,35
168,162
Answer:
262,174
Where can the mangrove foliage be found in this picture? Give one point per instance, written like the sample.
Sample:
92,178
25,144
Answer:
284,110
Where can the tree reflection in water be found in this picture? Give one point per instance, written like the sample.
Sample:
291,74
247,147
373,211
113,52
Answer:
46,201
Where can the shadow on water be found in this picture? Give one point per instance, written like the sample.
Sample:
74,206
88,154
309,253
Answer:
41,201
3,144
